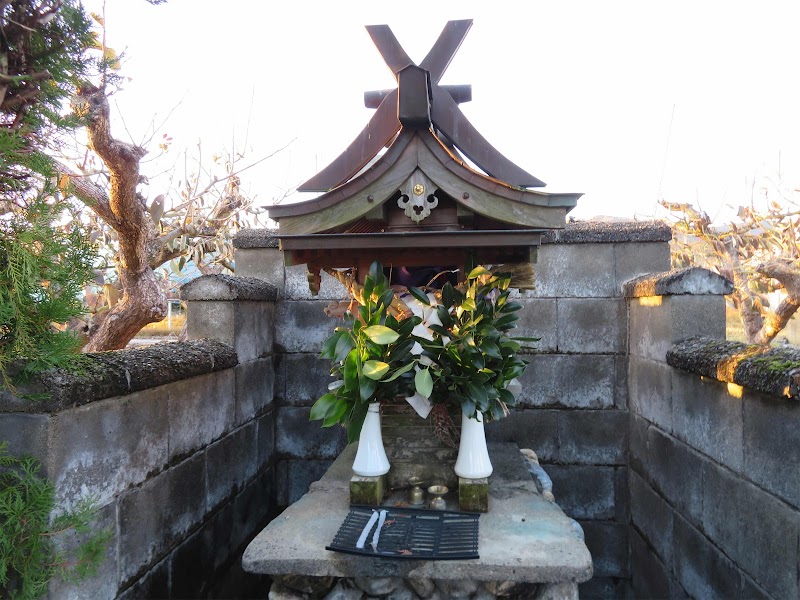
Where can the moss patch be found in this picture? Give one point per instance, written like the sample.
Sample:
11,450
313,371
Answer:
473,495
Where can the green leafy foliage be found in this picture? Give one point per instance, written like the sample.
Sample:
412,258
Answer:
473,358
44,55
371,358
34,547
42,272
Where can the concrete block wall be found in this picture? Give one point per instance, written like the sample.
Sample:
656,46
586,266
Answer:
714,484
181,464
574,406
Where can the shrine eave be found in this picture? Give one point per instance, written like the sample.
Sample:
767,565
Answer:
419,149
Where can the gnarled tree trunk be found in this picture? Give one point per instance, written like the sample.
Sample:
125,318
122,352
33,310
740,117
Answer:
142,301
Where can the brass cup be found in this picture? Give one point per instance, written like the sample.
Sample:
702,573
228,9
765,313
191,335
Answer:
437,502
416,497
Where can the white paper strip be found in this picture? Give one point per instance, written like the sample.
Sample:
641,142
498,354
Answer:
362,539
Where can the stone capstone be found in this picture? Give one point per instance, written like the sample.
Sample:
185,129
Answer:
615,232
693,280
119,372
772,371
229,287
256,238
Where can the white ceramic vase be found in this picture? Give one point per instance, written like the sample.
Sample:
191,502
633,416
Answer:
371,458
473,457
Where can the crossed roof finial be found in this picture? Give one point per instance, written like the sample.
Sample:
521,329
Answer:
419,101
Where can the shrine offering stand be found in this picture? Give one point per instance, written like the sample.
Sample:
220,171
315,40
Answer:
528,547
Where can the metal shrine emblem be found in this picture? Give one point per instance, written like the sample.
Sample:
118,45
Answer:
417,198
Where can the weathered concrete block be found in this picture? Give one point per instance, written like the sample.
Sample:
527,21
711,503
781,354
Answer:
596,437
230,462
759,532
590,268
652,516
538,319
584,492
751,590
295,477
621,382
106,446
650,391
708,418
105,583
638,452
703,571
26,434
159,513
153,584
651,579
676,471
622,504
266,438
650,329
302,326
605,588
213,320
608,544
697,315
592,325
367,490
297,285
304,378
254,389
247,326
772,445
568,380
261,263
192,566
658,323
201,410
634,259
252,508
297,437
534,429
255,329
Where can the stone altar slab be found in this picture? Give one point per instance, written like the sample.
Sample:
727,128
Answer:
524,537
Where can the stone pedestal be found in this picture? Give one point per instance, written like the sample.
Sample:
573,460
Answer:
473,494
525,542
367,490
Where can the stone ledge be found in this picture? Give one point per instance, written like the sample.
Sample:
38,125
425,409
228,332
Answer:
693,280
121,372
771,371
256,238
586,232
229,287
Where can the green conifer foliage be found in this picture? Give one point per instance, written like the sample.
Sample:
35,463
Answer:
43,60
43,269
33,547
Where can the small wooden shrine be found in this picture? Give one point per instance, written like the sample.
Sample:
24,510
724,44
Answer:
440,194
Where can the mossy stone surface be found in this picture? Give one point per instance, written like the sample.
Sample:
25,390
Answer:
473,494
367,490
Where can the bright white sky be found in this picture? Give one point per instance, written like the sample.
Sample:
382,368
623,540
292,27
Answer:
580,94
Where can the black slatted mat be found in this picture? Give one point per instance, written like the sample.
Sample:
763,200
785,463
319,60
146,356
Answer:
411,533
